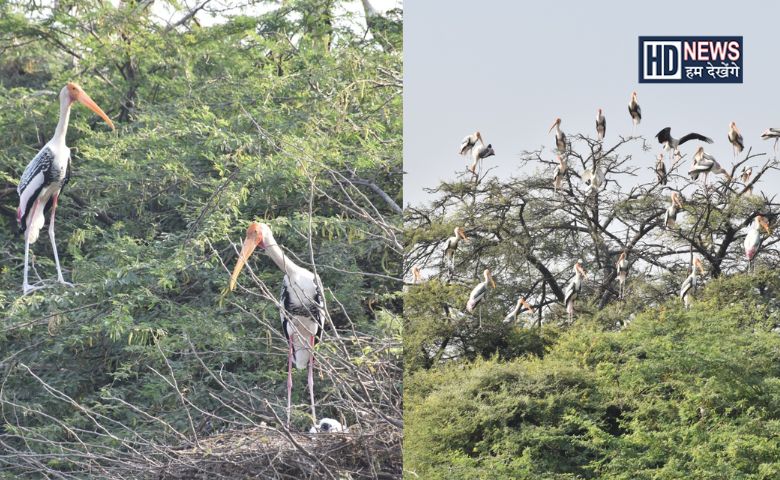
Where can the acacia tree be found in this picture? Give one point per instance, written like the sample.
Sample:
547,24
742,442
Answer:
530,236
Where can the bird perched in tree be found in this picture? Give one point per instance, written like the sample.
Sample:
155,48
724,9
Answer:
515,312
691,283
301,306
753,238
452,245
45,177
480,153
601,124
675,204
745,174
560,172
479,292
660,169
706,164
622,271
634,111
469,142
560,137
735,138
573,289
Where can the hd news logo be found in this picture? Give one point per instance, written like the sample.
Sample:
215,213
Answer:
690,59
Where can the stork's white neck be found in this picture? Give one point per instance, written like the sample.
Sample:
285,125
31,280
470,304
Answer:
62,126
281,260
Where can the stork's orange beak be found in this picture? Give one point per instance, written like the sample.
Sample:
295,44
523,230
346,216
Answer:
526,305
250,243
83,98
553,125
765,224
462,235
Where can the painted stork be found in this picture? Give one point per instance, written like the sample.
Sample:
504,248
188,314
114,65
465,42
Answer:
660,169
622,272
44,178
675,204
478,294
560,172
515,312
573,289
416,275
328,425
753,238
745,174
706,164
560,137
690,284
671,144
594,177
735,138
770,133
301,304
480,153
601,124
469,142
634,111
452,245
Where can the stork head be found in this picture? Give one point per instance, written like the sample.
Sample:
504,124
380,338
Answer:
460,232
479,136
697,264
733,126
599,112
677,199
258,235
526,305
578,270
71,93
633,96
622,257
489,277
556,123
762,221
416,274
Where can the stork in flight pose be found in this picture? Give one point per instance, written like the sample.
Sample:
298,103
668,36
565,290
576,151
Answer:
753,238
469,142
573,289
45,176
706,164
515,312
635,112
560,137
560,171
601,124
735,138
690,284
670,217
772,133
479,292
622,272
671,144
301,309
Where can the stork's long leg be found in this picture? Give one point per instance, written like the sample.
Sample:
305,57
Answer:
289,380
311,380
60,278
26,287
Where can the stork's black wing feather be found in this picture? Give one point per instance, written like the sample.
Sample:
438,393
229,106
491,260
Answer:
664,135
41,163
695,136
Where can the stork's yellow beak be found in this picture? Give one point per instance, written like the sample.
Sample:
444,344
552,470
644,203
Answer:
85,100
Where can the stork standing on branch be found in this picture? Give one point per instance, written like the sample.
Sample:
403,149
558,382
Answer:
635,111
560,172
622,272
44,178
480,153
560,137
452,245
601,125
573,289
735,138
301,309
691,283
479,292
753,239
671,144
675,204
660,169
706,164
772,133
515,312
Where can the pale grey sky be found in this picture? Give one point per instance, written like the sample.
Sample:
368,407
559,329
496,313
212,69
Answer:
509,68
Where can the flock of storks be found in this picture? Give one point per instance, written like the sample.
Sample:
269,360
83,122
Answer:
301,305
703,164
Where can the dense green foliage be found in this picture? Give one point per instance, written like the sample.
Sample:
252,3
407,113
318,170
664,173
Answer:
676,394
284,117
